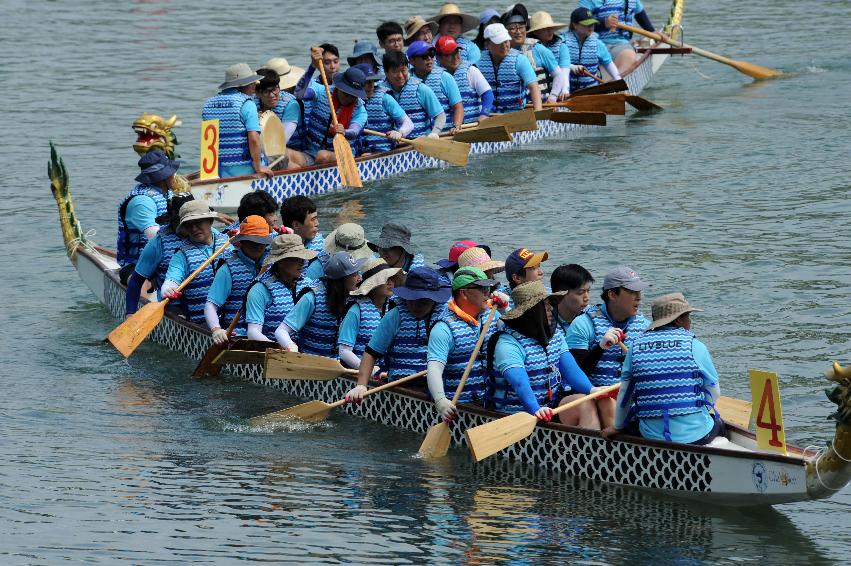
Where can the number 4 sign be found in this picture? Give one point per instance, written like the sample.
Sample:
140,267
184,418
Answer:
768,417
209,150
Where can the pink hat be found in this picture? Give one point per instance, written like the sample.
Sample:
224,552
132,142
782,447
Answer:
477,257
454,252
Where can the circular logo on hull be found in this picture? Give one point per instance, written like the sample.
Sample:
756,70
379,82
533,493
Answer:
758,475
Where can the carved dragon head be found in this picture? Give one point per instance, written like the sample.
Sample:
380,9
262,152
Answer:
841,394
154,132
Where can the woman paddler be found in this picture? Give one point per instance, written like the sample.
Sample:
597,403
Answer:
530,365
552,80
273,294
585,52
319,311
234,274
479,258
372,301
196,224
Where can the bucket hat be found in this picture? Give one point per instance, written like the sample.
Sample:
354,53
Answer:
487,15
477,257
348,238
424,283
623,276
369,73
195,210
375,272
156,167
288,245
290,74
415,24
543,20
471,277
468,21
254,229
496,33
454,253
351,82
393,236
342,264
526,296
239,75
668,308
361,48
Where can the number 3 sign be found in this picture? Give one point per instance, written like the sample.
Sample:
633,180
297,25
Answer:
770,434
209,149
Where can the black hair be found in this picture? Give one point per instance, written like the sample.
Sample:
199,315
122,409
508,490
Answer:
394,60
480,37
296,209
569,277
256,202
330,48
387,29
270,79
605,294
336,296
172,214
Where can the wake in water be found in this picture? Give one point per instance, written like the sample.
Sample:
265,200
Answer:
239,425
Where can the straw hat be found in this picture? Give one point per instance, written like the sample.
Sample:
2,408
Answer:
290,74
288,245
477,257
468,21
668,308
348,238
543,20
239,75
195,210
526,296
375,272
414,24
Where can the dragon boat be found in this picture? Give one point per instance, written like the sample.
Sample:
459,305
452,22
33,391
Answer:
721,475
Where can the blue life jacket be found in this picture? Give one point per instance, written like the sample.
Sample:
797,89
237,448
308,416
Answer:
318,137
283,301
541,365
414,261
407,99
370,316
465,336
545,80
608,371
555,46
624,10
242,273
377,119
584,54
508,90
469,96
195,294
666,380
233,137
169,243
464,44
407,353
131,241
433,81
298,139
319,335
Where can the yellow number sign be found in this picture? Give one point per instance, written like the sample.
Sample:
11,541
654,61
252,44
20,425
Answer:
768,417
209,149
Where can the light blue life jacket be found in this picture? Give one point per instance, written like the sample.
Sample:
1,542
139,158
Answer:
555,46
466,46
319,335
195,294
131,241
377,119
542,367
433,81
407,353
169,242
233,137
283,301
624,10
414,261
508,90
370,316
242,272
585,54
465,336
317,126
469,96
608,371
298,140
407,99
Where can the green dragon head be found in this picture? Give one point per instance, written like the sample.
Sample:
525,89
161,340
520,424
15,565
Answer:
154,132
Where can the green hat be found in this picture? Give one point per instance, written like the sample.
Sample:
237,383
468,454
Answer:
468,276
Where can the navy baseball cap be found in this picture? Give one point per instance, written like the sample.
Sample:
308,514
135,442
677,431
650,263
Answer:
521,259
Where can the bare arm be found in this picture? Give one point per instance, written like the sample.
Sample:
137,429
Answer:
535,95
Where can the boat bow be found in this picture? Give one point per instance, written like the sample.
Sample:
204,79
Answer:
830,470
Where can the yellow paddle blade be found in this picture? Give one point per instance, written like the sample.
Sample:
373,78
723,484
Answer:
273,136
734,411
281,364
489,438
451,151
133,331
753,70
484,134
609,103
520,121
436,442
349,174
312,412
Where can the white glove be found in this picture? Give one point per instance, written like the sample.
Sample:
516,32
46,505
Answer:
551,99
576,69
220,336
595,389
501,300
433,135
355,395
394,135
611,337
445,409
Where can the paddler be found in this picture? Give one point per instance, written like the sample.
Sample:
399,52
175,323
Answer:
668,382
273,295
402,335
271,97
372,301
319,311
233,276
383,115
417,29
453,23
524,266
196,224
239,126
417,100
298,213
552,80
298,142
509,73
421,55
476,93
138,211
530,366
543,28
452,339
487,17
348,237
394,246
585,52
365,52
479,258
593,337
576,282
256,203
391,37
609,13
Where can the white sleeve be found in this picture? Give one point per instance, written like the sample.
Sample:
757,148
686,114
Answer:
434,377
561,84
151,231
477,80
289,128
348,357
282,334
211,315
613,70
255,332
406,127
439,122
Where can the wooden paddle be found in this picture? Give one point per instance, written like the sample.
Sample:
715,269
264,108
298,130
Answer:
454,152
436,442
349,174
582,118
315,411
751,70
283,364
273,135
734,411
520,121
489,438
603,88
207,366
484,133
614,103
133,331
637,102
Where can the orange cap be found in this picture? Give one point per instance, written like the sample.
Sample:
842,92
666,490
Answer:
254,229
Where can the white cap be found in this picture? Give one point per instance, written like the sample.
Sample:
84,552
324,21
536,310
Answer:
497,33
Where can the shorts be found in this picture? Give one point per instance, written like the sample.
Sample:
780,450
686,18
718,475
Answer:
617,48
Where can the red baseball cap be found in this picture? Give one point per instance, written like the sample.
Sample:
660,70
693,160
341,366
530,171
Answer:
446,45
454,252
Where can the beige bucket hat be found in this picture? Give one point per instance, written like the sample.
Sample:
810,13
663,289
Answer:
668,308
375,272
414,24
239,75
288,245
526,296
195,210
477,257
543,20
290,74
468,21
350,238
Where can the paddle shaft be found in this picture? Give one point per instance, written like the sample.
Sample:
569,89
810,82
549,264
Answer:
588,73
384,134
590,396
474,355
328,93
387,385
203,266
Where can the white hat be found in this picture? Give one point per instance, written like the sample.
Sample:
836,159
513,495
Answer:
290,74
496,33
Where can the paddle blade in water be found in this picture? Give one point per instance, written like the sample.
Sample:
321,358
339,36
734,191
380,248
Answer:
349,174
312,412
489,438
436,442
454,152
642,104
608,103
484,134
208,367
133,331
583,118
520,121
281,364
755,71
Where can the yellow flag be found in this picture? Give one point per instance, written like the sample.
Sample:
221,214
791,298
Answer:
768,415
209,149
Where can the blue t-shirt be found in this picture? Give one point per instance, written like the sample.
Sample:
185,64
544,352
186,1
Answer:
257,301
593,5
315,269
150,257
348,333
178,267
525,71
428,100
292,112
440,342
450,88
223,282
581,335
141,213
545,58
392,109
386,332
301,312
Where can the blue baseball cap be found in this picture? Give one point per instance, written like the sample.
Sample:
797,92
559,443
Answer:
522,258
342,264
419,48
369,72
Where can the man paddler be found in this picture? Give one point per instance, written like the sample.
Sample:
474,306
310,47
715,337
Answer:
454,23
585,52
509,73
668,382
391,36
552,80
239,125
421,55
417,100
576,282
383,115
233,276
452,339
138,211
394,246
476,93
366,53
299,214
401,337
